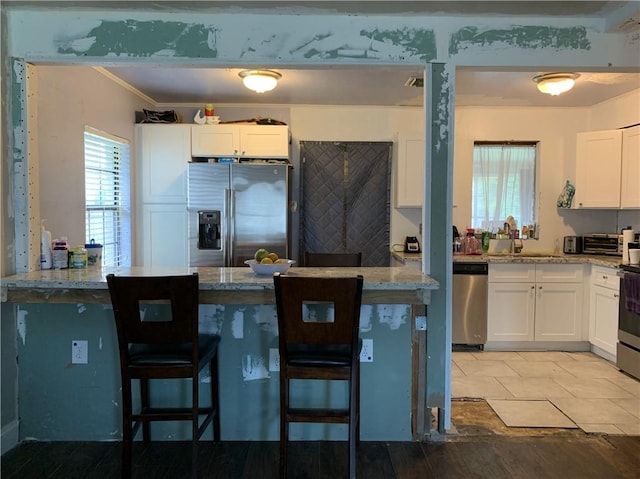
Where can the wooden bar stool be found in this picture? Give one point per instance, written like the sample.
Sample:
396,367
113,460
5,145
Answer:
157,324
327,350
332,259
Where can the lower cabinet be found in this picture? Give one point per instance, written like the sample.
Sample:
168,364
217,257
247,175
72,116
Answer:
164,236
535,302
603,311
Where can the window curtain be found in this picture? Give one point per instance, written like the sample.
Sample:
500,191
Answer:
503,185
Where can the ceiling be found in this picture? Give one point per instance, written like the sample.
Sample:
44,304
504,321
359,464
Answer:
383,86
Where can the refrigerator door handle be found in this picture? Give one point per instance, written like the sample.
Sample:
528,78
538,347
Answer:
230,233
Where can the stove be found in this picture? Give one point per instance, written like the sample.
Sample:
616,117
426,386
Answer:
628,348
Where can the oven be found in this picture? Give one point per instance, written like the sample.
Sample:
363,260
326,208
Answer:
628,350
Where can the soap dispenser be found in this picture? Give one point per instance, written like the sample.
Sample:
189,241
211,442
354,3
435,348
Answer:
45,248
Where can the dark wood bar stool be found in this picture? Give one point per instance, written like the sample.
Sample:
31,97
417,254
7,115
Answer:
157,324
332,259
314,349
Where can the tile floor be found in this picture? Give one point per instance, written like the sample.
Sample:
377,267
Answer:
530,388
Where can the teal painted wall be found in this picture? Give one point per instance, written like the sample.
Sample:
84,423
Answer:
63,401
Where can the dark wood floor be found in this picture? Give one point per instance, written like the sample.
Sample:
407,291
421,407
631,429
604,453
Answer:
495,457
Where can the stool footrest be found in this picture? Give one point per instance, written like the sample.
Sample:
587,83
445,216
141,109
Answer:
339,416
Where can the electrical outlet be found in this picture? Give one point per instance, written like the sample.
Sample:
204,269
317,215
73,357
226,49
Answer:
366,353
79,351
274,359
421,323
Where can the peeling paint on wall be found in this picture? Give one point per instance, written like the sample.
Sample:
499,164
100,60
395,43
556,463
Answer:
211,318
529,37
254,367
393,315
81,308
21,324
237,325
366,324
266,317
134,38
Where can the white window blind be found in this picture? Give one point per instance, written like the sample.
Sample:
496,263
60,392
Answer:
107,196
504,184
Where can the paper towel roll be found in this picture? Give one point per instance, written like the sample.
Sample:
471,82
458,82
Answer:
627,237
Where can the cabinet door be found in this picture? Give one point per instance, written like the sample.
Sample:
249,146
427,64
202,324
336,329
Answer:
558,312
606,277
164,236
164,152
603,318
630,180
215,140
559,273
264,141
598,168
410,172
511,310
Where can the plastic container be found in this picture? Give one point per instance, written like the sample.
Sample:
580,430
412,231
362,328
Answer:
78,257
60,253
46,259
94,253
471,243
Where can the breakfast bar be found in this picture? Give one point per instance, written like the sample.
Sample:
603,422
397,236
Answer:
62,400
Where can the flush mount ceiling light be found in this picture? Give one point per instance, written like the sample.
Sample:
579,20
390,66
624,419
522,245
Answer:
555,83
260,80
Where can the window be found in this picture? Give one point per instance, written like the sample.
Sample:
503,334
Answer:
503,184
107,196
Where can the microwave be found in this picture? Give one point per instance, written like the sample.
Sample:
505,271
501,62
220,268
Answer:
601,243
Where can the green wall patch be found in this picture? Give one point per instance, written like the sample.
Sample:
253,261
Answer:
144,39
530,37
417,43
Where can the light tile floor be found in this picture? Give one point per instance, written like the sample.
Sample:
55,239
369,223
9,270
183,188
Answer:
587,389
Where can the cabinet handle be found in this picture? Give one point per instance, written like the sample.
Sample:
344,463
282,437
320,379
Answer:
605,277
533,287
616,295
540,288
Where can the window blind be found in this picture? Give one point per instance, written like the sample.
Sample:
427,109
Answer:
107,195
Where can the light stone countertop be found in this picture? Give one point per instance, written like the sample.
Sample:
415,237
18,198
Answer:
532,257
229,284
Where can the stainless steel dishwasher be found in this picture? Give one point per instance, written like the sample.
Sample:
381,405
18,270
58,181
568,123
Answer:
469,309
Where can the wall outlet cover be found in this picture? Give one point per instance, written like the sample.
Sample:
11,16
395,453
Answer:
79,351
366,353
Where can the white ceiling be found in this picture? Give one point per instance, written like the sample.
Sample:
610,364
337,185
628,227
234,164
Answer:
168,85
364,86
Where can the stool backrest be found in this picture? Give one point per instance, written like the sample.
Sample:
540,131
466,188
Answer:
176,321
345,294
332,259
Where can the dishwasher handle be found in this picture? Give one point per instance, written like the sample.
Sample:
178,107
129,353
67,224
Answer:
480,268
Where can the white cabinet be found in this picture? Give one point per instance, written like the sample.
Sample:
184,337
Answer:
630,180
608,169
164,235
603,311
163,155
535,302
248,141
410,171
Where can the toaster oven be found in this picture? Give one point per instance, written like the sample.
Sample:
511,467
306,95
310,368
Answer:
601,243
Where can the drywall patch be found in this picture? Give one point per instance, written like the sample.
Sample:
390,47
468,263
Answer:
254,367
528,37
211,318
237,325
393,315
266,318
416,43
21,325
136,38
81,308
366,324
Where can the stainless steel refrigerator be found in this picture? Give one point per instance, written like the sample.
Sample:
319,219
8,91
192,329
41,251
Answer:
234,209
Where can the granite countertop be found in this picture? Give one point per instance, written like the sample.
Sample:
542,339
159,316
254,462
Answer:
215,279
531,257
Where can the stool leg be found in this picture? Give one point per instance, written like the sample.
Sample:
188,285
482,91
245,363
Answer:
215,397
284,425
144,402
127,429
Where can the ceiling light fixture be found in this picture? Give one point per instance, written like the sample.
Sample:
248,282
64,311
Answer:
555,83
260,80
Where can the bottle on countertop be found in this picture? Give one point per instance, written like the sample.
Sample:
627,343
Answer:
60,253
471,243
46,260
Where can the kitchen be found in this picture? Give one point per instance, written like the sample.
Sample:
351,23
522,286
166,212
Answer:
312,122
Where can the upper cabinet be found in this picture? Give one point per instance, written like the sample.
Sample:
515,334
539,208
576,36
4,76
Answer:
164,151
410,171
608,169
630,180
244,141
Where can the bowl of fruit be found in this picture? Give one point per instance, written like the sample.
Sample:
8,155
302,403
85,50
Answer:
266,263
